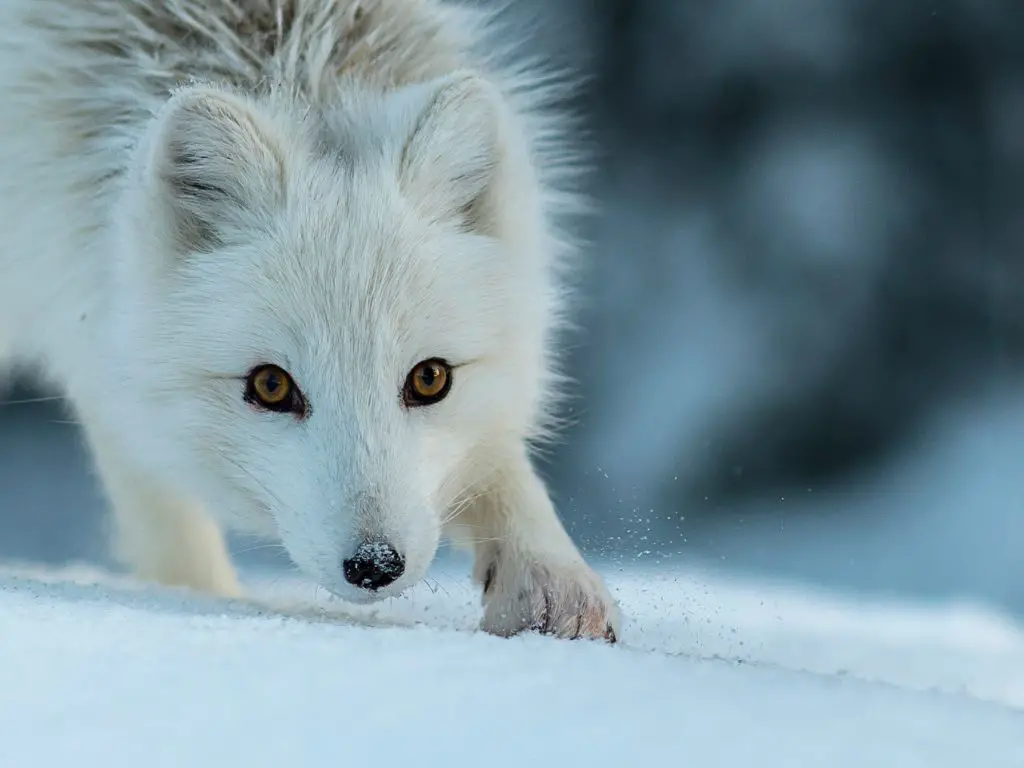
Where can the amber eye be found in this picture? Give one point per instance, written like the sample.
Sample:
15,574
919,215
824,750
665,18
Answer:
271,387
427,383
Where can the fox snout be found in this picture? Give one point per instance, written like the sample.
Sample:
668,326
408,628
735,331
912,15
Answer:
375,547
373,565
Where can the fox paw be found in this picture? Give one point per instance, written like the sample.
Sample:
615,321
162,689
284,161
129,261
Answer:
567,601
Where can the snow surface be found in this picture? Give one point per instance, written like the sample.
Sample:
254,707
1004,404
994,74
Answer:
95,670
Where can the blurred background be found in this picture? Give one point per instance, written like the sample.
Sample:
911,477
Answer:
801,352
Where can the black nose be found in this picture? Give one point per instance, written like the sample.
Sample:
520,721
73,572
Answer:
374,565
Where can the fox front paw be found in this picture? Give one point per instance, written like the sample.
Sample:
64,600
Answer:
569,602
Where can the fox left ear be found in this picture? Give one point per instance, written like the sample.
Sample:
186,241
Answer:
454,153
211,169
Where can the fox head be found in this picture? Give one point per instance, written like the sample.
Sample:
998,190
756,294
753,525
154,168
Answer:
330,316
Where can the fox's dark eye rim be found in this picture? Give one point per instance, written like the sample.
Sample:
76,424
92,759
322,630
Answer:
411,398
294,402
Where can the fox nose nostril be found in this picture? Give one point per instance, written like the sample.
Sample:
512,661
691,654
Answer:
374,565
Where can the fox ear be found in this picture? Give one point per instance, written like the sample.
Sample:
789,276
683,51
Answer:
212,169
454,152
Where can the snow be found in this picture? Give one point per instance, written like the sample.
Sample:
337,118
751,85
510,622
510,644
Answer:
711,671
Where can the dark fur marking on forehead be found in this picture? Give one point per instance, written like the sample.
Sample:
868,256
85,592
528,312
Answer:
332,141
254,43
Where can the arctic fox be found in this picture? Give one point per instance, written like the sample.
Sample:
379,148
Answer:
296,265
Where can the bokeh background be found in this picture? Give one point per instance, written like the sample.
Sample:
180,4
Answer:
802,309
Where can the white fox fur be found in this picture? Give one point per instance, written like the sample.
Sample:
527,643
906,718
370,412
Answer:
342,188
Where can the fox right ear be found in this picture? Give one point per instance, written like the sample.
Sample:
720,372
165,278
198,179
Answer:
453,156
211,168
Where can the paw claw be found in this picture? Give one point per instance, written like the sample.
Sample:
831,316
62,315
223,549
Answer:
570,603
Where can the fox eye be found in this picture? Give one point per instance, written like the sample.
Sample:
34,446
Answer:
272,388
427,383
